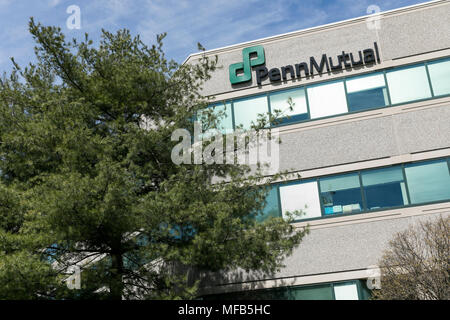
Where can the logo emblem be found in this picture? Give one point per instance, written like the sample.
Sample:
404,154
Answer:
247,64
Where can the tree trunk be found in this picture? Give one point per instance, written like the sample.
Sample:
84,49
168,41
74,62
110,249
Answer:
116,286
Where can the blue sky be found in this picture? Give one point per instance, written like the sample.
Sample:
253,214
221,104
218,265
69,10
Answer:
213,23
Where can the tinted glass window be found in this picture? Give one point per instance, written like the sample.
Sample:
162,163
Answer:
223,114
366,92
408,84
247,110
279,101
384,188
341,194
440,77
428,181
271,209
317,292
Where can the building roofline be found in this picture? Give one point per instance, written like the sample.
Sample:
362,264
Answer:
316,28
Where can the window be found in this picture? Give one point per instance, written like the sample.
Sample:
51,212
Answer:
440,77
346,291
341,194
279,101
302,196
316,292
224,117
374,189
327,99
247,110
271,209
366,92
324,291
384,188
336,97
408,84
428,182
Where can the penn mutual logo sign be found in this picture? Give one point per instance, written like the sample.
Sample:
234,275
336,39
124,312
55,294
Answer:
254,59
258,59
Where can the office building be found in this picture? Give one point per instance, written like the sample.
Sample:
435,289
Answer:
369,134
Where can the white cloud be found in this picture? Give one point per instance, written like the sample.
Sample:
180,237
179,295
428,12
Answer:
214,23
5,3
53,3
106,13
220,23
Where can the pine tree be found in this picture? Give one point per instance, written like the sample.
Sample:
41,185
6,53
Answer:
85,180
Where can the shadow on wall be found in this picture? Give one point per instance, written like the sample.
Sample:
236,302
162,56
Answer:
241,281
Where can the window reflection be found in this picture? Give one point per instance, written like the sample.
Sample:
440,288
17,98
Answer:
341,194
366,92
384,188
440,77
428,182
408,84
279,101
246,111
